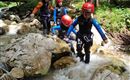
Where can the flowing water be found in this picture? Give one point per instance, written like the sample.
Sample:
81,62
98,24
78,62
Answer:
82,71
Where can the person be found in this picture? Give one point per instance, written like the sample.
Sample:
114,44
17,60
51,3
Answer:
84,36
45,8
59,11
62,28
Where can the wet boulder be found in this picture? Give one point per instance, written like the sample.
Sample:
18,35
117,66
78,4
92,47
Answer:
32,54
64,62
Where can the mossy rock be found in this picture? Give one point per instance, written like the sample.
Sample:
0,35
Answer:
116,70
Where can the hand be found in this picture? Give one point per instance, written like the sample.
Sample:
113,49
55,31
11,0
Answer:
55,24
65,36
32,15
105,41
66,39
54,36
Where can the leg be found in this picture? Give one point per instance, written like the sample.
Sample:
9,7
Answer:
87,47
79,49
72,48
44,22
48,25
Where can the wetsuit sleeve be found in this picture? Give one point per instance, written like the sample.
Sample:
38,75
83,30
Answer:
72,26
65,11
99,29
39,5
74,31
53,29
54,15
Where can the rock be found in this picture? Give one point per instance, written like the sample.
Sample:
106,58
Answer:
25,28
2,23
111,72
15,18
3,68
7,77
32,53
8,22
17,27
13,28
35,23
17,73
64,62
63,47
4,72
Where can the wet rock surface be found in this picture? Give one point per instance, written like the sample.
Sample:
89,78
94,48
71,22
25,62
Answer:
32,54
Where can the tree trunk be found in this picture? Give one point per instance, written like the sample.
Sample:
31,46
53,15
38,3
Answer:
97,3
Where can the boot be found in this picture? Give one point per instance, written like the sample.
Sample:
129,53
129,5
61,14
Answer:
72,48
45,32
81,55
87,58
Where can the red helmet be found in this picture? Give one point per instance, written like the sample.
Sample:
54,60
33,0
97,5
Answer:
88,7
66,20
58,1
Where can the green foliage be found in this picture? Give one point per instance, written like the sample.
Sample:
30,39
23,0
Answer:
3,4
128,22
11,4
7,4
78,3
112,17
24,8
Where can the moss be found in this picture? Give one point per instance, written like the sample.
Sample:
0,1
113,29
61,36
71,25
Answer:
116,66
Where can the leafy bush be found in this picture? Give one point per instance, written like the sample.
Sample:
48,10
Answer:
3,4
112,17
7,4
78,3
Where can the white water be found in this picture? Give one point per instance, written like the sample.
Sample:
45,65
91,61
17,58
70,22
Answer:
13,28
81,71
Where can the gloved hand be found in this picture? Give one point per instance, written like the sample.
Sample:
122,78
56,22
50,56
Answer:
54,24
66,40
105,41
32,15
54,36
